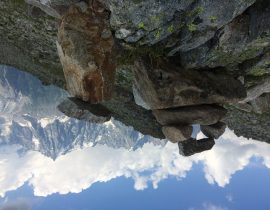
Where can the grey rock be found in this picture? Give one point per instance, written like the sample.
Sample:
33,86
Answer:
249,125
54,8
177,133
261,104
75,108
214,131
166,85
201,114
149,22
259,68
258,90
138,99
245,38
192,146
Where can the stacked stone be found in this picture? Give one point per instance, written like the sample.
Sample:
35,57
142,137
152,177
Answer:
180,98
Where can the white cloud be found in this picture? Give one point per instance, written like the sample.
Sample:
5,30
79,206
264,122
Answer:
81,168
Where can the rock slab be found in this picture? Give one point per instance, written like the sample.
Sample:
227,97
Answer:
86,51
164,85
201,114
75,108
192,146
177,133
214,131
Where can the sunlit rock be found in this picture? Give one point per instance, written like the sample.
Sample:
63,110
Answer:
201,114
177,133
85,47
214,131
164,85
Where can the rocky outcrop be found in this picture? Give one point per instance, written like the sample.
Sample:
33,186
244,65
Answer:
192,146
214,131
245,38
261,104
201,114
75,108
202,38
249,125
86,52
165,85
257,90
177,133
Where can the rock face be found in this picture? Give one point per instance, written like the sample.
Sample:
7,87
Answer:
246,37
201,36
201,114
177,133
54,8
148,22
249,125
214,131
257,90
78,109
261,104
192,146
86,52
168,86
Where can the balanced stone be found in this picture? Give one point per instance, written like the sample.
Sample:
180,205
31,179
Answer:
177,133
201,114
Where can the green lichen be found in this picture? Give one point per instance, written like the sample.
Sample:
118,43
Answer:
192,27
258,72
196,11
212,19
158,34
141,25
170,29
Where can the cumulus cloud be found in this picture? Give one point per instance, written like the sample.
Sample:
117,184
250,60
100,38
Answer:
81,168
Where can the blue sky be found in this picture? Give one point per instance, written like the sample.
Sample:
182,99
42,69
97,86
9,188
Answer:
248,189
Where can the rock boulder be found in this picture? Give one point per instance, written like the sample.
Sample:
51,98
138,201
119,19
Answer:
86,51
75,108
214,131
192,146
201,114
177,133
164,85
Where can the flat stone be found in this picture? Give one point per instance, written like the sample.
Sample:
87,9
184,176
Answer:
75,108
164,85
86,51
214,131
201,114
192,146
177,133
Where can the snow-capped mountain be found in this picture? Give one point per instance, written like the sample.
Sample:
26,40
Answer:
29,117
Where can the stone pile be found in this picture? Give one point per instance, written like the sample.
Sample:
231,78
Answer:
179,99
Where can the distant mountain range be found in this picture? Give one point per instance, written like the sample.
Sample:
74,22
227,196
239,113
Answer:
29,117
